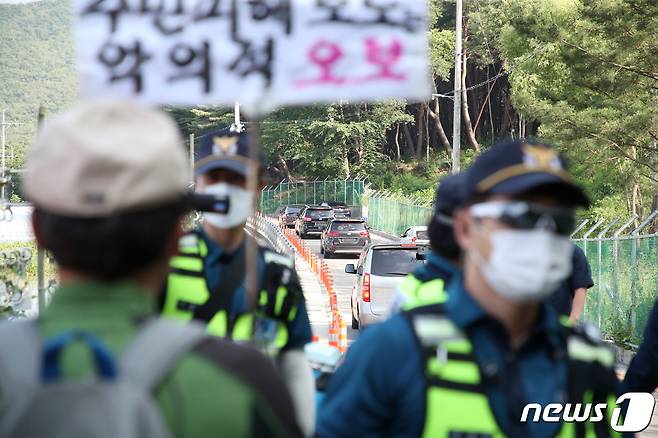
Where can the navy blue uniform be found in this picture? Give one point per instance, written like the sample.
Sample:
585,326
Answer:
380,389
581,277
642,374
299,329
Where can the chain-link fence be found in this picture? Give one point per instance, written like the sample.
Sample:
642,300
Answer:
393,214
625,271
348,192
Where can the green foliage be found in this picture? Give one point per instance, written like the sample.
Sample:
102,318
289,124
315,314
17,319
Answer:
587,72
37,68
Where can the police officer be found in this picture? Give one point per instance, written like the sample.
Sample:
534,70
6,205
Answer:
443,263
108,182
569,299
468,364
642,373
207,281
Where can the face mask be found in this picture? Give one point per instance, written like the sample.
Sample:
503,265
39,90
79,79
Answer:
239,205
526,265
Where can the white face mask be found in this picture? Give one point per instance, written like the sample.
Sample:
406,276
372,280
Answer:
240,205
526,265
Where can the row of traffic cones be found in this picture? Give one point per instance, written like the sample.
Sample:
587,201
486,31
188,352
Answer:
337,327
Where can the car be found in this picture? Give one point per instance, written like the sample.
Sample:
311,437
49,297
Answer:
313,220
345,236
288,215
379,272
417,234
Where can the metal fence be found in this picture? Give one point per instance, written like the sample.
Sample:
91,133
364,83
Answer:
394,213
348,192
624,266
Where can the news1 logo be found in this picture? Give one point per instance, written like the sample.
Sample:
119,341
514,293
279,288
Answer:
637,417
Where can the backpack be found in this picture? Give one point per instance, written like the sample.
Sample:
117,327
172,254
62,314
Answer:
118,402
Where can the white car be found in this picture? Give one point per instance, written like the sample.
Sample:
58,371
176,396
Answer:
379,272
417,235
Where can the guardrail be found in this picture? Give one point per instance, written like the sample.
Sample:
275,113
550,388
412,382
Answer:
287,242
271,233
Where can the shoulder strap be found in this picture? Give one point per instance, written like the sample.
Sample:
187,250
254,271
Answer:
156,350
232,277
19,356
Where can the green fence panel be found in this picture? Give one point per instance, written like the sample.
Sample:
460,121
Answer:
348,192
625,273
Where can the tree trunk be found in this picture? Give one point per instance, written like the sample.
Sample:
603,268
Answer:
409,139
421,132
397,142
435,115
470,135
284,167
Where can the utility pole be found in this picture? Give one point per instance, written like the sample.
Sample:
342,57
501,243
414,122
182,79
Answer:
236,113
457,120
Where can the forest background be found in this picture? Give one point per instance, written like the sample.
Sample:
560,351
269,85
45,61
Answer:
580,74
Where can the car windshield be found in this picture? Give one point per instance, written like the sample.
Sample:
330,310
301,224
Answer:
422,235
293,210
348,226
319,214
391,262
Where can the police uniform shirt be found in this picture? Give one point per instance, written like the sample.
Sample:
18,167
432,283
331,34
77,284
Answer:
380,389
299,329
581,277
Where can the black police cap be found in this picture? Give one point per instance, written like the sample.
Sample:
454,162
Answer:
519,166
226,149
450,194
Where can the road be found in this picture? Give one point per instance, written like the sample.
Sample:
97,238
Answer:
343,282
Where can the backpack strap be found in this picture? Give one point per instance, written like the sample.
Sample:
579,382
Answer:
20,357
156,350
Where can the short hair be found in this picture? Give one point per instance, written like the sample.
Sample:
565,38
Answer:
109,248
442,240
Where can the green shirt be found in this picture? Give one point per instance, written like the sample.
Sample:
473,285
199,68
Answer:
217,389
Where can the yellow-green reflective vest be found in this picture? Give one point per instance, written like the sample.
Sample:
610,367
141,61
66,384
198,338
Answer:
417,293
187,288
456,403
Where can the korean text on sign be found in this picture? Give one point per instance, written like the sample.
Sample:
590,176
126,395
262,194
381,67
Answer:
262,53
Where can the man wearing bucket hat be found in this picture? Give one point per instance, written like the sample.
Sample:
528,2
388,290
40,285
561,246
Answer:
108,182
209,277
469,363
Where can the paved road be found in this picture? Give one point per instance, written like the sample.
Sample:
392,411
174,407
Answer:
343,282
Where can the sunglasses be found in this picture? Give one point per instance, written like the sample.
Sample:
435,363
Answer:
527,216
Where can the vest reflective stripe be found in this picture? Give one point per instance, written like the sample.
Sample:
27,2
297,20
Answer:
418,293
580,350
187,284
455,399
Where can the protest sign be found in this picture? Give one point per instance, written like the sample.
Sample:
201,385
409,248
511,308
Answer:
263,53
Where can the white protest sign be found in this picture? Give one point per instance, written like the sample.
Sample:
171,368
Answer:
263,53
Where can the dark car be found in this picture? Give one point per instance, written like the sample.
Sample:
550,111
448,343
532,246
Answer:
342,211
288,215
345,236
313,220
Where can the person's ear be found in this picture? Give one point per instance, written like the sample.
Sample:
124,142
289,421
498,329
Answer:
462,229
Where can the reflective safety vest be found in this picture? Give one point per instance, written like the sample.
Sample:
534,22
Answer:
456,402
187,289
418,293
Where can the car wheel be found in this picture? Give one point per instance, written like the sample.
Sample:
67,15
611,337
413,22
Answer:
355,323
328,255
321,249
